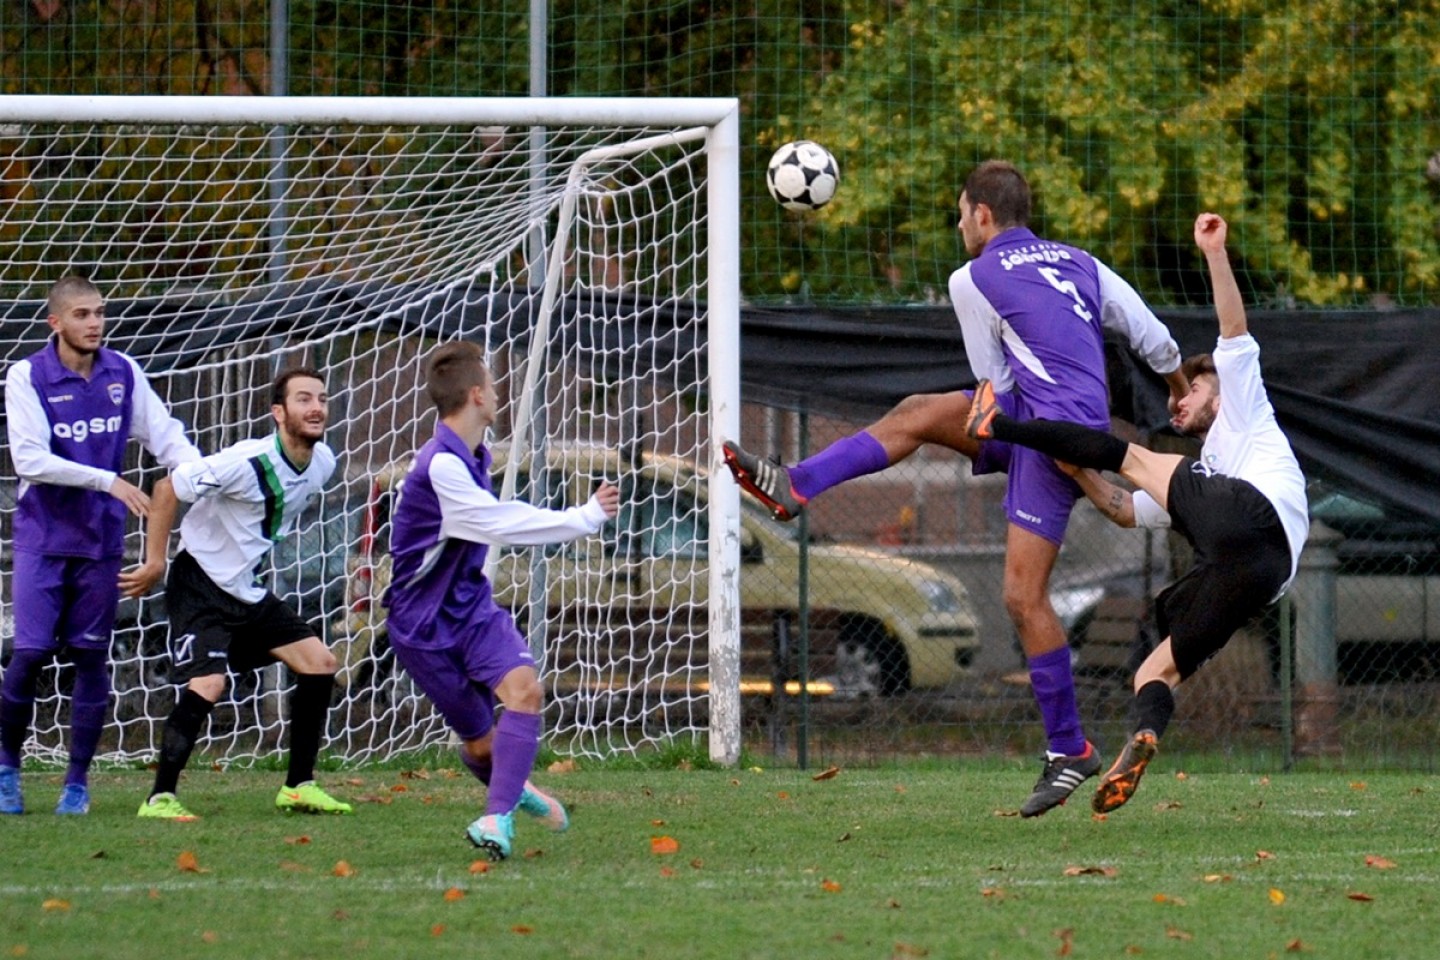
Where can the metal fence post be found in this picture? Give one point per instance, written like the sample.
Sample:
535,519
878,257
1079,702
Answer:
1317,686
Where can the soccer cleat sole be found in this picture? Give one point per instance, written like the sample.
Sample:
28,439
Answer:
983,408
1122,780
746,479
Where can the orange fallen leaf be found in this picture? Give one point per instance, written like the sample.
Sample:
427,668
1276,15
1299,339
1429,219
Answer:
290,866
1264,781
1294,946
664,845
453,894
1166,898
399,788
1067,942
534,853
1217,878
1357,785
437,929
54,904
562,766
1264,855
657,823
297,841
186,863
667,871
20,950
1181,775
342,868
1359,897
210,936
341,915
892,904
415,774
782,795
1379,863
696,864
522,929
480,866
1277,897
1175,933
997,893
908,950
1099,817
1006,813
1090,871
900,788
830,886
829,773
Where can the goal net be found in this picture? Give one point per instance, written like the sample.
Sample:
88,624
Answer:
589,246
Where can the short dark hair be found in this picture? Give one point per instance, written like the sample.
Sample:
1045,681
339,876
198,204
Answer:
1200,365
67,288
454,370
280,391
1000,186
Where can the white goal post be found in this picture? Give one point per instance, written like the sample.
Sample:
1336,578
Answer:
234,237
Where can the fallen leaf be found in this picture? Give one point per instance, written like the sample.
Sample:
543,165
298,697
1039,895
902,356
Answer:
1359,897
522,929
55,904
663,845
437,930
1166,898
453,894
1217,878
290,866
297,841
756,769
667,871
1379,863
154,894
562,766
830,886
373,798
892,904
1099,817
1175,933
210,936
415,774
1181,775
734,782
843,837
399,788
1264,781
1168,805
98,855
908,950
340,915
696,864
1090,871
1131,950
534,853
1264,855
1294,946
20,950
342,868
186,863
480,866
782,795
657,823
997,893
900,788
1067,941
1357,785
1006,813
829,773
354,782
1277,897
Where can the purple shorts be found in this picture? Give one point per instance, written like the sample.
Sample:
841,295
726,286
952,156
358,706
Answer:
1038,497
64,601
461,679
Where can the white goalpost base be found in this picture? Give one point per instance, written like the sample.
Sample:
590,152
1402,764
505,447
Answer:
233,237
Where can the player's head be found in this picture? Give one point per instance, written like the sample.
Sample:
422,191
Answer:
77,314
300,406
457,378
1198,408
995,198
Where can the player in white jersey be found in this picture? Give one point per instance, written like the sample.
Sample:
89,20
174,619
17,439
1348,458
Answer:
1242,506
244,498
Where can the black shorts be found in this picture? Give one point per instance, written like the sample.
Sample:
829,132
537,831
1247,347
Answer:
211,630
1242,559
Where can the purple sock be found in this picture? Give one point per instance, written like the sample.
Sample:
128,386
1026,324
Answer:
88,701
845,459
1054,688
481,768
17,702
517,741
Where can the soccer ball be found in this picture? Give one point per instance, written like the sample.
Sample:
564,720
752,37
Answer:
802,176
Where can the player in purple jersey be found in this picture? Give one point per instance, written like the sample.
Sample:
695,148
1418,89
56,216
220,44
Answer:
1241,505
70,410
1033,315
445,627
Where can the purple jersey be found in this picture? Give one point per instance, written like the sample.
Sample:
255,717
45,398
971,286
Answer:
89,423
437,591
1043,302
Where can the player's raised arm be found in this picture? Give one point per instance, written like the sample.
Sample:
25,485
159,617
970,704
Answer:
1210,233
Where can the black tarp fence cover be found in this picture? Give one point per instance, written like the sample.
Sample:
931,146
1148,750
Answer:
1355,390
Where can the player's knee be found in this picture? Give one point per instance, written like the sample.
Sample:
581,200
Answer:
527,697
210,687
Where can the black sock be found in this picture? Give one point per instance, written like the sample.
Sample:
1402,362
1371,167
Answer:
1152,708
1068,442
181,729
309,705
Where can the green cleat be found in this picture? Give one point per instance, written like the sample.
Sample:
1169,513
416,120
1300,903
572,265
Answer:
544,808
308,798
164,806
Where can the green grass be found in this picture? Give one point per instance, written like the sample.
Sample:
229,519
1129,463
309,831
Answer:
891,862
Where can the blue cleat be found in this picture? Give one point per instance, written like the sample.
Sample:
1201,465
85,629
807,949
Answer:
543,807
11,801
74,800
492,833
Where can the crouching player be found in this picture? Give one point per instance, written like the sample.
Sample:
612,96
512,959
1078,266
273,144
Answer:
445,627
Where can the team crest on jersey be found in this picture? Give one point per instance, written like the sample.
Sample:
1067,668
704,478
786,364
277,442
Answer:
117,393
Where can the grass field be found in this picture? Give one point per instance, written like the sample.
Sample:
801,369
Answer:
874,863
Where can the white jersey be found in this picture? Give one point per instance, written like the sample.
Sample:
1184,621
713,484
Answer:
1247,443
245,498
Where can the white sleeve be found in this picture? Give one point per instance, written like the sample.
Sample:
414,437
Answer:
1126,313
29,431
1244,404
219,474
980,325
1148,513
152,424
469,512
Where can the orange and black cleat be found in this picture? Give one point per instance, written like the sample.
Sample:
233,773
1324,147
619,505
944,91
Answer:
766,480
1119,783
983,408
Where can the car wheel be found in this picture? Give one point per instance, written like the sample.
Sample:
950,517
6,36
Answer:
868,663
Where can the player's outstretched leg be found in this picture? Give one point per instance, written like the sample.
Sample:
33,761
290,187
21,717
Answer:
493,833
1062,774
1119,783
766,480
543,807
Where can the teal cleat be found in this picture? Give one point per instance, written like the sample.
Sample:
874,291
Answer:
543,807
492,833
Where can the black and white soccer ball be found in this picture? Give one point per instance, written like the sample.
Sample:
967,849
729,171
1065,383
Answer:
802,175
